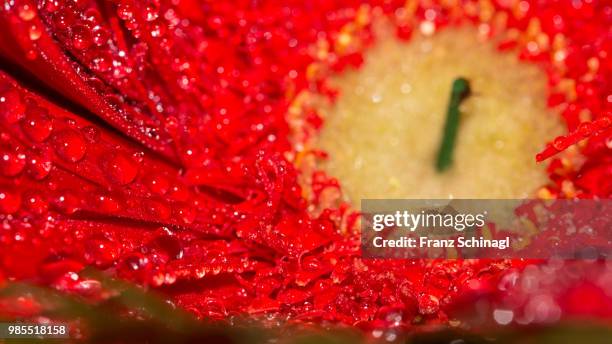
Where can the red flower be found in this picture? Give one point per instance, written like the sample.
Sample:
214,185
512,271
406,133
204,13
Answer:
149,139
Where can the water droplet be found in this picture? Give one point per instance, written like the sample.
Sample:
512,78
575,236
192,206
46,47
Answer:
503,316
107,204
158,210
157,30
169,277
168,245
10,201
428,304
81,37
51,6
134,266
186,214
92,16
91,133
124,12
560,143
120,168
157,278
100,35
390,336
35,203
88,287
102,63
34,32
151,13
70,145
157,184
171,125
427,27
64,20
586,129
26,12
12,162
119,71
31,54
37,125
39,167
102,252
67,203
11,106
508,281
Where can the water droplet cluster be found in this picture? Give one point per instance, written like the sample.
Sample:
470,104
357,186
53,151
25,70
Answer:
205,110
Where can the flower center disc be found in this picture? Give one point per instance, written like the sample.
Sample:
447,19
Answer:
384,132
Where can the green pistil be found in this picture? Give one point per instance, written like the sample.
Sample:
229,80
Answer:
460,91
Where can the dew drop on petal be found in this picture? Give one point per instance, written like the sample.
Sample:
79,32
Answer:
503,316
11,162
37,125
428,304
39,167
158,210
157,184
67,203
70,145
107,204
10,201
12,108
120,168
26,12
35,203
586,129
100,35
91,134
560,143
186,214
81,37
102,252
34,32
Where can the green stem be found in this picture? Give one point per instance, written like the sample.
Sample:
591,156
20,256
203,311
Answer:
460,91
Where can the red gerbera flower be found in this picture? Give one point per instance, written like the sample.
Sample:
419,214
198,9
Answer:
150,139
